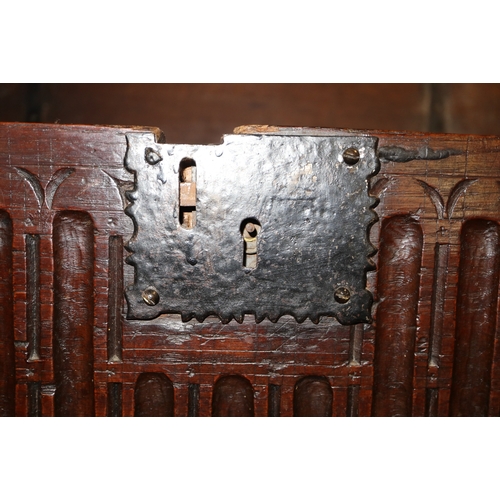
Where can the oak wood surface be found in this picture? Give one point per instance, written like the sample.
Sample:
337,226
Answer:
432,348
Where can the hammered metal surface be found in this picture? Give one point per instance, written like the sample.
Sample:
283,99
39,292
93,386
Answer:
314,213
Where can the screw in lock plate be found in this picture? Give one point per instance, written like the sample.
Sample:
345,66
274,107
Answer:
351,156
342,295
150,296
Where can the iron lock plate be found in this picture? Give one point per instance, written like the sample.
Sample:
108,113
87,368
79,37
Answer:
268,225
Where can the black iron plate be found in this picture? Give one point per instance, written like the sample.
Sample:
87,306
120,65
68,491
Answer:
312,250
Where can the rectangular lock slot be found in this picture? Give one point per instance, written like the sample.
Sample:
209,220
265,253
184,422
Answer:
187,193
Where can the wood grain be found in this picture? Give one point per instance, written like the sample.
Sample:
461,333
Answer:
154,396
73,314
115,399
476,318
398,287
33,318
313,398
274,402
74,183
7,354
353,401
34,399
431,402
233,397
115,298
441,257
194,400
356,344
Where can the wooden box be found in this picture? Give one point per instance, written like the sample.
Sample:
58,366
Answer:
68,349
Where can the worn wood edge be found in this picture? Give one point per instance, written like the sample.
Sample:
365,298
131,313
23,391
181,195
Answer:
55,127
322,131
249,130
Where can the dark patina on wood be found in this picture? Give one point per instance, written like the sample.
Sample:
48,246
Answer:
67,347
265,225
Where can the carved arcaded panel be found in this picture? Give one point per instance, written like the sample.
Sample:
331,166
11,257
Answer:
432,348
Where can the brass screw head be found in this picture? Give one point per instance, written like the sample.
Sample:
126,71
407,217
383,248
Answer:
150,296
351,156
342,295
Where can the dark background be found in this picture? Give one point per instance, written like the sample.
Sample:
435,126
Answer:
202,113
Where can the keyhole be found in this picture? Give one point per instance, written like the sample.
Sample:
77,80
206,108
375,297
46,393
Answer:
187,193
250,229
